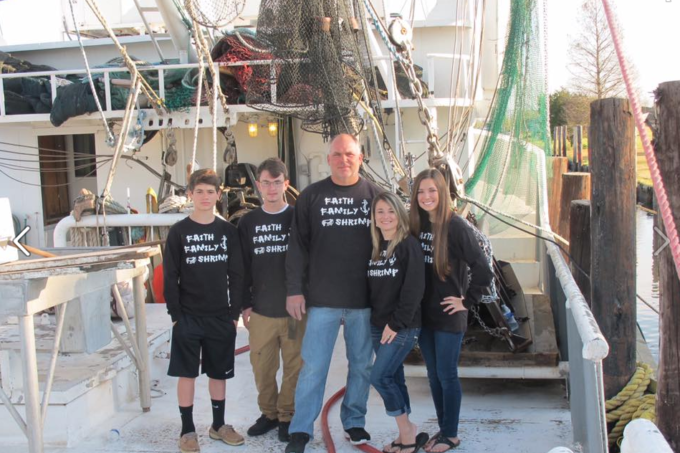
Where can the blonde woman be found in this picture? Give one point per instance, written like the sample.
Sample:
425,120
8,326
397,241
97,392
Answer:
396,278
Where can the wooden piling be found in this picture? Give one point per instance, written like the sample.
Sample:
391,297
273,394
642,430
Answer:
575,186
579,244
667,150
578,147
612,222
564,141
559,167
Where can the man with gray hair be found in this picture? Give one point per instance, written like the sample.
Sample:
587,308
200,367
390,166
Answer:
329,250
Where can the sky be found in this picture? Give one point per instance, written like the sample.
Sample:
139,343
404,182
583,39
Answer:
651,31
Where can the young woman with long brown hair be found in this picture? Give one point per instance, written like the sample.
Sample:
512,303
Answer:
451,251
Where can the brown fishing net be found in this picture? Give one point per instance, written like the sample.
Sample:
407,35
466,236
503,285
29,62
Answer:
321,64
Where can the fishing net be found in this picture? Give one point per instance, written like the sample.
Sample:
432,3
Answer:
321,65
506,175
214,13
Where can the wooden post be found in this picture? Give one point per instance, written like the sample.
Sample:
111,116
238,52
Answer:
579,147
612,222
555,141
667,151
575,186
559,167
579,244
564,141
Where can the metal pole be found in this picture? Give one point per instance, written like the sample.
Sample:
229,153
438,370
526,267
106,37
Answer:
31,389
61,312
142,344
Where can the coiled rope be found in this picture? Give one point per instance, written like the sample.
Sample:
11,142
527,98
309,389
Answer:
631,402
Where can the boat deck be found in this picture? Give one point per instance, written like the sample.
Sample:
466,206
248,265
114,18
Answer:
529,416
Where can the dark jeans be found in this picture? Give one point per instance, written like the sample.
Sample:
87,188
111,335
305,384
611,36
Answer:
387,375
441,351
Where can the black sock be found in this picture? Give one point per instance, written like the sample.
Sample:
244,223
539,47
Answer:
218,413
187,414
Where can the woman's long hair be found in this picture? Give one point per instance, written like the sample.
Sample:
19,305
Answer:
440,223
402,224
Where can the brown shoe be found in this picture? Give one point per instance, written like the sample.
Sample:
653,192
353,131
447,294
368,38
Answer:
227,434
188,443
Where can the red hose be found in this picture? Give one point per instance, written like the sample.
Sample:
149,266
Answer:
326,432
245,348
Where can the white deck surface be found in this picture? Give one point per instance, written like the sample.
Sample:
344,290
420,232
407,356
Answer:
509,416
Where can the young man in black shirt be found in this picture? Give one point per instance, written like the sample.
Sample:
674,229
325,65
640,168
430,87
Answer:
264,236
203,285
330,245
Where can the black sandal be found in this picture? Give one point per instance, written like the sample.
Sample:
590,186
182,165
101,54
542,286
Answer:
421,440
445,441
394,444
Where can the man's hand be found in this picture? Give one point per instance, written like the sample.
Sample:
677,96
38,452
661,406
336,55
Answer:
245,314
453,304
295,306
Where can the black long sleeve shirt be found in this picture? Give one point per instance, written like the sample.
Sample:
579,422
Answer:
330,244
396,286
203,269
464,253
264,238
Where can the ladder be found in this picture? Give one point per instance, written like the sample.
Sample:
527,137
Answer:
142,13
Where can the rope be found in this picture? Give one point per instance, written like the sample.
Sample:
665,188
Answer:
631,403
659,188
132,67
199,89
110,138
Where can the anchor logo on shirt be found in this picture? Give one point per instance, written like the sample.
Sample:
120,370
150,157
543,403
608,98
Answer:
224,243
364,207
392,260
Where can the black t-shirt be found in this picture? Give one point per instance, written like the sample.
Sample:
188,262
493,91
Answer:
396,286
330,244
203,269
264,238
464,253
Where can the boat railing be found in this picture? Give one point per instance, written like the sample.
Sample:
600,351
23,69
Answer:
642,436
65,225
578,335
110,112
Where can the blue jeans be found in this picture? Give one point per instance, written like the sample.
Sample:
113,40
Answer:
388,369
441,351
323,325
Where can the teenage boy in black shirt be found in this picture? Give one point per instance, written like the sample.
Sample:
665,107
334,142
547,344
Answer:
264,236
203,284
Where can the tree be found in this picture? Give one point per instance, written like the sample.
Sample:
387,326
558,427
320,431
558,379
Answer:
593,63
569,109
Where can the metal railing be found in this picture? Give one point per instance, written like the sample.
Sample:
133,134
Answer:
62,229
579,337
642,436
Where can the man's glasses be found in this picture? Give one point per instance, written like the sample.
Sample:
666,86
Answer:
268,184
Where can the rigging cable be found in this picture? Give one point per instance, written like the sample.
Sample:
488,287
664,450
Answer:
110,138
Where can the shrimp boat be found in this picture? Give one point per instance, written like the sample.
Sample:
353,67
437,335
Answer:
107,106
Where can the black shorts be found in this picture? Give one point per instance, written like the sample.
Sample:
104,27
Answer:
213,338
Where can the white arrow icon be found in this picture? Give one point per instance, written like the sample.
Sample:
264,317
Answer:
18,244
665,238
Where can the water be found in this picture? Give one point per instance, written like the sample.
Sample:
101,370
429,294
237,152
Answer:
647,280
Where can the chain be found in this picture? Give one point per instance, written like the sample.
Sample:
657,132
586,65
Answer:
498,332
433,146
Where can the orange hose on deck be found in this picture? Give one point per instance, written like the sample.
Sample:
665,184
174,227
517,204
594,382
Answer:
326,432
